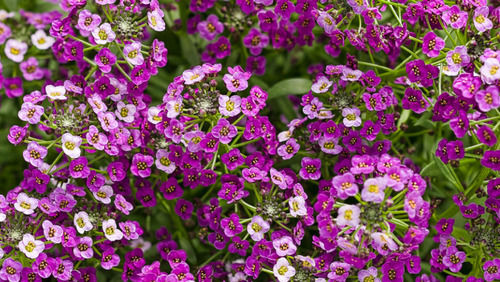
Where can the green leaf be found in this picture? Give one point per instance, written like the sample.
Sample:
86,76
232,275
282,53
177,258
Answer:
450,175
189,51
292,86
404,117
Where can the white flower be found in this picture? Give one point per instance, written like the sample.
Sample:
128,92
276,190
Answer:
31,247
41,40
322,85
15,50
153,115
25,204
82,222
104,194
125,112
110,231
56,92
283,270
103,34
155,20
71,145
490,71
297,206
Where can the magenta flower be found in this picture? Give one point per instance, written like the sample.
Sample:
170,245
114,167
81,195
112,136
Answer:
231,225
11,270
432,44
491,159
458,57
52,232
284,246
184,209
62,269
284,8
237,79
454,259
34,154
486,136
345,185
224,131
339,271
454,17
109,259
83,248
78,168
30,112
210,28
43,265
488,99
141,165
492,270
105,59
310,168
255,41
30,69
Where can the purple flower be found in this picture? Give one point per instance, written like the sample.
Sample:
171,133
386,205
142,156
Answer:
109,259
30,112
105,59
492,270
460,124
141,165
17,134
13,87
78,168
87,21
284,246
43,265
414,100
210,28
488,98
237,79
362,164
445,226
52,232
83,248
454,17
393,271
345,185
358,5
224,131
231,225
455,150
339,271
11,270
218,239
454,259
458,57
310,168
34,154
256,65
62,269
238,246
30,69
184,209
171,189
284,8
255,41
491,159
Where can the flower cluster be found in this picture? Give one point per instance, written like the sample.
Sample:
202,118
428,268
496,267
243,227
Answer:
382,167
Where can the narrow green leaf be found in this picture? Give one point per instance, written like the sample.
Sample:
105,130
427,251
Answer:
292,86
404,117
189,51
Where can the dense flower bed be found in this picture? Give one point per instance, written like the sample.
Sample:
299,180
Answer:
289,140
